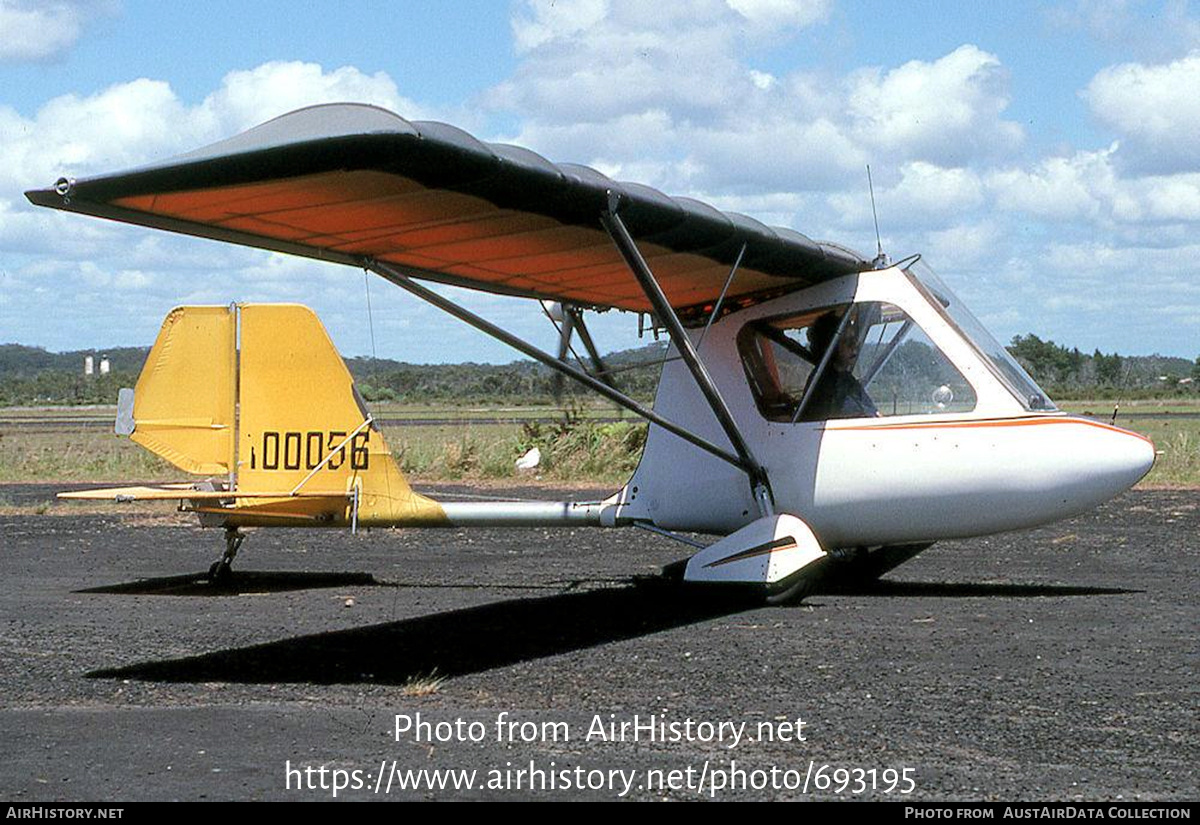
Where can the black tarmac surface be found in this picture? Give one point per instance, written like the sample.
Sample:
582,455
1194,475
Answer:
1053,664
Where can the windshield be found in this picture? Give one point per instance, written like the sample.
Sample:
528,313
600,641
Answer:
1031,396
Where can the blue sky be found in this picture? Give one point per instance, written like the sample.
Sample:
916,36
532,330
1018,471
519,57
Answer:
1044,157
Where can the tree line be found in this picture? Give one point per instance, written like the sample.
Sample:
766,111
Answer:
1070,373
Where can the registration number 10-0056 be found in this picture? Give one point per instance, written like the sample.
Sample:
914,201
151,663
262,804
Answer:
306,450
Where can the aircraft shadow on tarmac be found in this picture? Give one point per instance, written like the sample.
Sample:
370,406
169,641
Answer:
247,581
963,590
478,639
452,643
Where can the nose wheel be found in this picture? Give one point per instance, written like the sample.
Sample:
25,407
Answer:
222,569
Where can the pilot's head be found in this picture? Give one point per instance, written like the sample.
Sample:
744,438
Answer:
821,334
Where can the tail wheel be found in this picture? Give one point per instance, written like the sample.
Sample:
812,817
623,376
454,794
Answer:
221,570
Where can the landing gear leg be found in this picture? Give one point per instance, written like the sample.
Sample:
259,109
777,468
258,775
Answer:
222,569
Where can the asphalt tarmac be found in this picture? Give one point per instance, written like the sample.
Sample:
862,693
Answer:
1053,664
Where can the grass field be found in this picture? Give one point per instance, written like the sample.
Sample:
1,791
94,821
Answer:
55,445
1102,408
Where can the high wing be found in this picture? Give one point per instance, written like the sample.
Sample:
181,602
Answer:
352,183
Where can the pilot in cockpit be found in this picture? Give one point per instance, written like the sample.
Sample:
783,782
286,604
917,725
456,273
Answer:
838,393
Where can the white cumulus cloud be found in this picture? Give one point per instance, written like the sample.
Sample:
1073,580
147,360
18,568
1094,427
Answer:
1154,111
590,60
678,86
545,20
776,14
924,197
37,30
1154,30
1170,198
1059,188
946,112
249,97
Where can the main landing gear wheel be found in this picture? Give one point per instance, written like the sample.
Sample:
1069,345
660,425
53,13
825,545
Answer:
803,584
221,570
793,594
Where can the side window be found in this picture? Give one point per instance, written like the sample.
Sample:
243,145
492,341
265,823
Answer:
879,363
779,362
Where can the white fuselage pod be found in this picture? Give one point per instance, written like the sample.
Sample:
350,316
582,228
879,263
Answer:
898,475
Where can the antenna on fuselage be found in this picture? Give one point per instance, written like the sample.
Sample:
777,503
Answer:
881,259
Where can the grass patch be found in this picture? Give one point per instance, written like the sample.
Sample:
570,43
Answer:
10,508
515,414
158,511
423,685
1104,407
574,449
1179,463
1178,441
456,451
66,454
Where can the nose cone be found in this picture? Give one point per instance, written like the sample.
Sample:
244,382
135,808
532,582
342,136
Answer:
1118,458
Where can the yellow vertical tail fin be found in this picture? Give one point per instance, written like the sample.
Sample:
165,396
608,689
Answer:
258,391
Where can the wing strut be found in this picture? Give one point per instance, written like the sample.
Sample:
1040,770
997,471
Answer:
568,322
666,314
397,276
601,369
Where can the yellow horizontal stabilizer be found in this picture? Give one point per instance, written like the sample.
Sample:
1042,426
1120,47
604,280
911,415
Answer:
173,492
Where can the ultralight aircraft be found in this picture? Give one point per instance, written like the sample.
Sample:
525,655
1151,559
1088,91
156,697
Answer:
818,411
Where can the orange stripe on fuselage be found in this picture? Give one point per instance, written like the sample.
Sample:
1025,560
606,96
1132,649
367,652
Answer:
991,422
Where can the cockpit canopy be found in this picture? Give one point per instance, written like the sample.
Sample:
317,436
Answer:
866,359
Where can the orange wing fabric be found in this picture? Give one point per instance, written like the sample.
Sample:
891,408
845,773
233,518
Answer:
350,182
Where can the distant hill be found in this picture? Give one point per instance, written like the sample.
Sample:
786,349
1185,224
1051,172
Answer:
18,360
635,373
